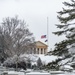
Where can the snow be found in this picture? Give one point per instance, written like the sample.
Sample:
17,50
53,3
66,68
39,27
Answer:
67,66
71,48
68,73
44,58
47,58
33,58
26,73
34,63
71,63
14,73
65,61
68,61
38,73
56,72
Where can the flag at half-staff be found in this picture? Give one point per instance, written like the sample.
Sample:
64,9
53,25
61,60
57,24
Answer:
43,36
46,40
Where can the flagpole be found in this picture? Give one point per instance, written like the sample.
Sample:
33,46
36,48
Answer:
47,33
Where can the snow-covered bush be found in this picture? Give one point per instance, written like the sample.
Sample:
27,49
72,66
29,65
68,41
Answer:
29,60
11,62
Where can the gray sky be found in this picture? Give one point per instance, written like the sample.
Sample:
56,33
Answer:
35,13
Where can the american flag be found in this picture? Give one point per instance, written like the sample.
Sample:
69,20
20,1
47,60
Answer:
43,36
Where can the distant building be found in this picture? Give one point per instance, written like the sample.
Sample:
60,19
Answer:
38,48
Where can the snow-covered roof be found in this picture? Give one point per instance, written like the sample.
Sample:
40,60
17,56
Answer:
47,58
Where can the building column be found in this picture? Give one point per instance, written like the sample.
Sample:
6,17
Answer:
43,51
39,50
36,50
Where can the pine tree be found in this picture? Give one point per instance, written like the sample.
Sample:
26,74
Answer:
66,25
39,63
60,49
66,18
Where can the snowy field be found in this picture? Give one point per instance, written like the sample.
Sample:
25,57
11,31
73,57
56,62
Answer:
37,73
65,74
61,73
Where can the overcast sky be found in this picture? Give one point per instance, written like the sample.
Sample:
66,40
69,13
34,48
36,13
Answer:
35,13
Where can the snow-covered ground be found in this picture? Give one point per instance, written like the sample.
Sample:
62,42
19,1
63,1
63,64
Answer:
47,58
15,73
39,73
65,64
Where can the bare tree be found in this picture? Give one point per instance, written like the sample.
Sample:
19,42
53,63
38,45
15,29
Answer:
3,55
17,36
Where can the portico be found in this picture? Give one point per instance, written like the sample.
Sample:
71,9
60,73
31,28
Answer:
39,48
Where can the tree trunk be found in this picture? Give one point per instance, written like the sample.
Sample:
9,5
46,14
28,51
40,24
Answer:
17,64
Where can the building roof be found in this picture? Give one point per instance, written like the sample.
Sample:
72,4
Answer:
39,43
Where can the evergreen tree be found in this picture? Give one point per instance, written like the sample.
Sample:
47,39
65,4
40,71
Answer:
67,27
39,63
60,49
